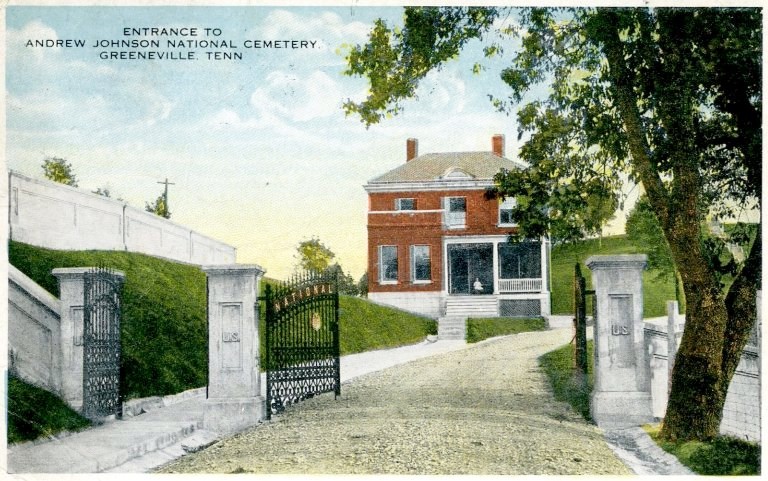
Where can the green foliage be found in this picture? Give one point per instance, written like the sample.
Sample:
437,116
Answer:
159,206
722,456
644,231
362,285
164,330
347,285
34,413
313,255
558,366
479,329
656,290
59,170
103,191
395,60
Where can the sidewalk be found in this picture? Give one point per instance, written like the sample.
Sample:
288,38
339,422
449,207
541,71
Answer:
137,444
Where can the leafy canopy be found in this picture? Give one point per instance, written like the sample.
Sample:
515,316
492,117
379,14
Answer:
577,144
313,255
59,170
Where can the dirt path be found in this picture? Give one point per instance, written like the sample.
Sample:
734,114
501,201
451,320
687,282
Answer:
483,410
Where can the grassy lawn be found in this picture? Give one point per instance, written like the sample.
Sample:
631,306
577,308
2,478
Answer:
558,366
723,456
655,291
479,329
34,412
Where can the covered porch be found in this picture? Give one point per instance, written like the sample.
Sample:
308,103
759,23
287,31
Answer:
490,266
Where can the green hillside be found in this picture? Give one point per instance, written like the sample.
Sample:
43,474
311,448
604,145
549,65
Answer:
164,334
656,291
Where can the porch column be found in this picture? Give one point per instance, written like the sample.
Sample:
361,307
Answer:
622,391
546,301
234,381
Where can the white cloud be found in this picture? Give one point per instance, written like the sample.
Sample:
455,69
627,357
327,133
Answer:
34,30
326,26
443,91
298,98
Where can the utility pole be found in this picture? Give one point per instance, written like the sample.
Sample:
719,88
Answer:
165,193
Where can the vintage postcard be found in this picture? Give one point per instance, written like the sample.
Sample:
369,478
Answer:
274,238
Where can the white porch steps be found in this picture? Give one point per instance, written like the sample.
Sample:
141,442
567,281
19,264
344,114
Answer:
471,306
452,328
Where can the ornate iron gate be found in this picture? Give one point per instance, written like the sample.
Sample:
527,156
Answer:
302,340
101,344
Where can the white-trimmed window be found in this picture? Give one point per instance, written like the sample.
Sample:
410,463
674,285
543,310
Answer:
421,265
405,204
455,209
388,264
505,211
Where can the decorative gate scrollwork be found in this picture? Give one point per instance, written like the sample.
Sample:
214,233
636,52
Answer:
101,343
302,340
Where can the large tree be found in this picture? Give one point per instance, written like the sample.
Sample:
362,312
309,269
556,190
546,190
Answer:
669,97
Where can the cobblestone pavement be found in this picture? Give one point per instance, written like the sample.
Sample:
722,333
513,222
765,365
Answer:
487,409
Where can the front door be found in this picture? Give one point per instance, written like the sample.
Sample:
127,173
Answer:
470,269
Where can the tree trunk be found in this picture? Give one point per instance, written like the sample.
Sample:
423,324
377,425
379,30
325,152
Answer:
714,334
697,397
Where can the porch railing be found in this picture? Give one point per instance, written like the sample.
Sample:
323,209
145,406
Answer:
519,285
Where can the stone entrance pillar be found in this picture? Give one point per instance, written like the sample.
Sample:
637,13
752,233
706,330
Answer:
71,293
234,383
622,391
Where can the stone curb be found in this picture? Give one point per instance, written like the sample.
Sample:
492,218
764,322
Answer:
641,453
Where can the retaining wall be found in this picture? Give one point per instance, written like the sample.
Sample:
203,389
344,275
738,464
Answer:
56,216
34,332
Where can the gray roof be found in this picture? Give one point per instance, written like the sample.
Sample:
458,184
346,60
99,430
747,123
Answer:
439,166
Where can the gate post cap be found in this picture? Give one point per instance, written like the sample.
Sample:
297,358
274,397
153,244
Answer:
233,269
65,272
620,261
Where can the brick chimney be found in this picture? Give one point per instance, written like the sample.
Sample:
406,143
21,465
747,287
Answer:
411,149
498,145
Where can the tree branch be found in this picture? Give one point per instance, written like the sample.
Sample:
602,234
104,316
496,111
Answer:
630,114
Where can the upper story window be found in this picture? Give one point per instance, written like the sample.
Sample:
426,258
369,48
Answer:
505,211
405,204
388,264
455,212
421,266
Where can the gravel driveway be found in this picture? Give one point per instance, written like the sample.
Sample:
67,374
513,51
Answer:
487,409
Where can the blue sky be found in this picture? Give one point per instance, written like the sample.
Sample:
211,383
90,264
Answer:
259,149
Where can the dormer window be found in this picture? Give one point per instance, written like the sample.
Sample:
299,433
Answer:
405,204
505,212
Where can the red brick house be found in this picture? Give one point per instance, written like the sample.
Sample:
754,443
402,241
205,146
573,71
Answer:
439,247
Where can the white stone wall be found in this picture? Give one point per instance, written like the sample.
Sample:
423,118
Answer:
33,332
741,414
422,303
56,216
